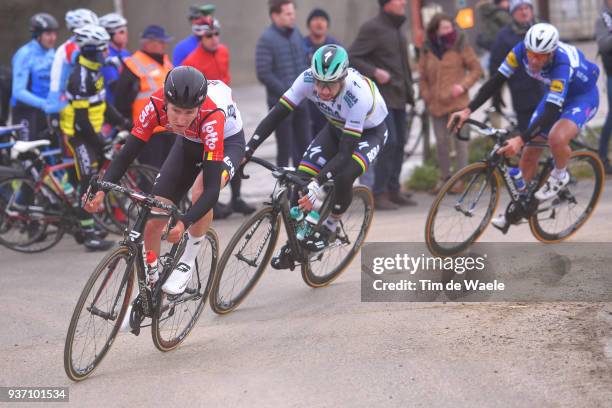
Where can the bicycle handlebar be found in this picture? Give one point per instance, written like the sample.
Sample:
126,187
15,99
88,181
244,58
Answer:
145,198
483,129
277,172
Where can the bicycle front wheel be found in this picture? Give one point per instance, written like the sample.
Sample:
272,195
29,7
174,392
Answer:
174,319
244,260
558,219
462,210
324,267
98,314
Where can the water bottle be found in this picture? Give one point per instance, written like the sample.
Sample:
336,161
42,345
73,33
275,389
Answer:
67,186
152,269
517,177
296,214
307,226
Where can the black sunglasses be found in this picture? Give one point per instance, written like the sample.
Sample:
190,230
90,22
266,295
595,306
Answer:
213,34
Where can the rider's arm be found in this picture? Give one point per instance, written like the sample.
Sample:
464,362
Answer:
128,153
211,171
21,77
287,104
486,91
551,114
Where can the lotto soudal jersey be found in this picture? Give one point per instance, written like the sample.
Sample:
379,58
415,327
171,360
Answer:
217,119
357,106
568,74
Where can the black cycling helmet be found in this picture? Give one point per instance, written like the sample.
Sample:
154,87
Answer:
42,22
185,87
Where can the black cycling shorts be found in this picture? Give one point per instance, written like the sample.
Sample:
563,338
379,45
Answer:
183,164
325,146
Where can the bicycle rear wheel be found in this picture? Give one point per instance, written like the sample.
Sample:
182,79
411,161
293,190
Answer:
558,219
98,314
244,260
462,210
174,319
32,218
324,267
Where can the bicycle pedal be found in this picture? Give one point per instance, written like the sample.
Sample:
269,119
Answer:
503,229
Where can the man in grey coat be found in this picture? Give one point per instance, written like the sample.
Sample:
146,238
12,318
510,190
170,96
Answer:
380,52
280,57
603,33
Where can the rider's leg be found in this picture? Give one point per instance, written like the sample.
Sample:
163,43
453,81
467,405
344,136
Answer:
529,159
559,139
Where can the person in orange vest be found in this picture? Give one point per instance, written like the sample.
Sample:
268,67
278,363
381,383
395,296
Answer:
212,58
143,74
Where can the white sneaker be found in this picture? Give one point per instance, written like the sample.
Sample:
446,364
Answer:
177,281
500,221
551,188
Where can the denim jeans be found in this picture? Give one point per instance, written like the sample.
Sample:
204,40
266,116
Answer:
604,139
389,163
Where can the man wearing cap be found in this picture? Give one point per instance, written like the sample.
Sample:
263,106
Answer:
212,58
197,17
116,26
526,91
380,52
318,27
143,74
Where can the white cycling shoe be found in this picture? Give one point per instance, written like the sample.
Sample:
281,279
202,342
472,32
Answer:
178,279
551,188
500,221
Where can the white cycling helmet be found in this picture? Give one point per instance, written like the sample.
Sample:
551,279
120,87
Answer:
80,17
542,38
112,22
202,25
92,35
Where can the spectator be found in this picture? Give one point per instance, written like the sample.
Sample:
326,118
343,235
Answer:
31,72
318,27
280,57
143,74
603,32
64,60
187,45
116,26
526,91
493,17
448,68
212,59
380,51
6,84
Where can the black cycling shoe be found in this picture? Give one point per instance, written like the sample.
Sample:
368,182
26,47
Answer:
283,260
93,243
318,241
222,211
240,206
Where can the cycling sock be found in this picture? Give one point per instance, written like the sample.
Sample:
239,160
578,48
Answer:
559,174
332,221
192,249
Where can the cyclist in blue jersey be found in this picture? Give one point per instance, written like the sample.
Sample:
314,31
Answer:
571,101
116,26
31,73
63,63
198,20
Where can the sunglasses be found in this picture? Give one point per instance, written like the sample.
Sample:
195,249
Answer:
213,34
537,57
326,85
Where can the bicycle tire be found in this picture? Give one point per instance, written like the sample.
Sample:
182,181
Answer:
317,281
157,321
437,247
536,222
41,196
127,282
217,303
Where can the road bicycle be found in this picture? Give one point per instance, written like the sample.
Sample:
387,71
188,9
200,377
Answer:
105,303
466,203
248,253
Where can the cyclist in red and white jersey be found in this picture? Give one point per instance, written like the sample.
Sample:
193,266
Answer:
212,146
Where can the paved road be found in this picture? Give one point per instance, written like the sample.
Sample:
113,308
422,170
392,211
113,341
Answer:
289,345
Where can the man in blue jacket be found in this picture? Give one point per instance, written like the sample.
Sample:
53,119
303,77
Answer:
526,91
31,75
280,57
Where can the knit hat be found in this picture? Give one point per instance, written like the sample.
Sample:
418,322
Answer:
317,12
514,4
